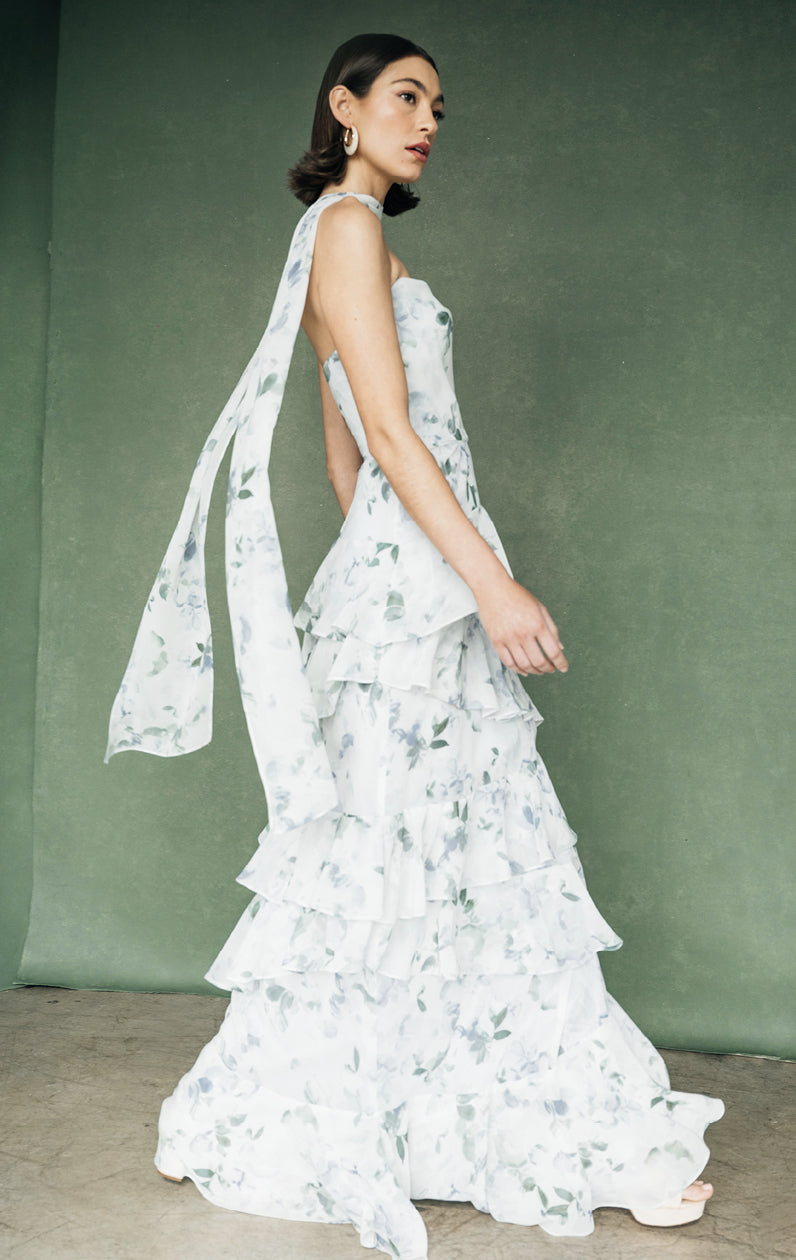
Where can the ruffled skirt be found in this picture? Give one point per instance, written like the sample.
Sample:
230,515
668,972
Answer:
417,1005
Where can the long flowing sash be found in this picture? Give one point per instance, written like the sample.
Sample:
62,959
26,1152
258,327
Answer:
165,703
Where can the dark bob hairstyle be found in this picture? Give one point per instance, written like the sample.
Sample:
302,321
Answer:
356,64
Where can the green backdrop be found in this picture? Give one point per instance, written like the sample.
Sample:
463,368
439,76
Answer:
28,49
606,215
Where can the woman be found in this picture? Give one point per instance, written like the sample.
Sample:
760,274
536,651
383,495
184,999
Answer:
417,1007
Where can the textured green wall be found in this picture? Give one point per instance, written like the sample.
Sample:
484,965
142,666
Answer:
28,46
606,216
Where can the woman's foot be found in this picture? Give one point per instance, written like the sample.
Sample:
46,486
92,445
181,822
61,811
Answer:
168,1176
698,1191
688,1206
169,1166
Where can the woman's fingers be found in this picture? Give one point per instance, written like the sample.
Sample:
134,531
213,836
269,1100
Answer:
539,660
522,662
523,633
540,654
516,658
550,643
553,652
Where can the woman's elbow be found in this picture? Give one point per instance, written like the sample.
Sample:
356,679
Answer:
342,474
390,445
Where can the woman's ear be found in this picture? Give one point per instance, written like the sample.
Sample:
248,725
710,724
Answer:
340,104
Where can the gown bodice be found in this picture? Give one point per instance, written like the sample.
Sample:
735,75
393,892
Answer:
383,579
424,328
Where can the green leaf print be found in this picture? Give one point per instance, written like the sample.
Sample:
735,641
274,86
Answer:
245,494
678,1150
497,1020
267,384
198,660
438,743
159,665
439,727
405,837
400,1148
204,1173
395,606
503,1032
325,1200
247,475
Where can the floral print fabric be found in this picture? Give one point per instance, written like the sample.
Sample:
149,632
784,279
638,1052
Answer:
164,704
417,1008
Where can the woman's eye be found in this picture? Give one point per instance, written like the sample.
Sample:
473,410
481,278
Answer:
409,96
438,114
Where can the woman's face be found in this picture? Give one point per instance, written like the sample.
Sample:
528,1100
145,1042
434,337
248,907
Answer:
397,121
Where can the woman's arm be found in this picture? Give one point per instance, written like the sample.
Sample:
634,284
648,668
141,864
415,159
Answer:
353,290
343,460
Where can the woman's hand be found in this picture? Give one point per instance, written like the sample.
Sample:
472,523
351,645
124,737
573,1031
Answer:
521,629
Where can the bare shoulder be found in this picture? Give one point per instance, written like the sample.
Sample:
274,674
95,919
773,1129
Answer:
347,230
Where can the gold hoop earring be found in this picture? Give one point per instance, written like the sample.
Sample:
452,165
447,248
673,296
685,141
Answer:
350,141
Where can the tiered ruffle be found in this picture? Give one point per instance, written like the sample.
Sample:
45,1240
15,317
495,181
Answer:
417,1006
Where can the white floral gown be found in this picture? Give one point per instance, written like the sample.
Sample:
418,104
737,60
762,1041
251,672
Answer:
417,1008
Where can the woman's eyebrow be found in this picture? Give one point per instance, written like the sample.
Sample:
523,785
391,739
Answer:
423,89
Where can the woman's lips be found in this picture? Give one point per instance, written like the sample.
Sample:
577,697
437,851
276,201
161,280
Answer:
419,150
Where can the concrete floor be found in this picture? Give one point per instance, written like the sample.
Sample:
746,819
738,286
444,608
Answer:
83,1075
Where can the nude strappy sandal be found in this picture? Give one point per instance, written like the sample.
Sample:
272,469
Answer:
172,1169
678,1211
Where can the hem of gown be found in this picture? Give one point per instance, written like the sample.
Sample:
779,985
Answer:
366,1236
379,1203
